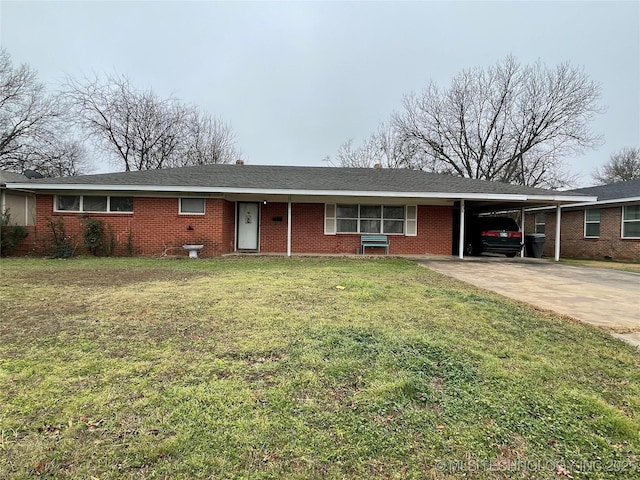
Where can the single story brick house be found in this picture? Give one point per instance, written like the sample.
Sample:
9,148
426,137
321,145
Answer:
608,228
274,209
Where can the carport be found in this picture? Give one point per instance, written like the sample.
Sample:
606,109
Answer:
514,203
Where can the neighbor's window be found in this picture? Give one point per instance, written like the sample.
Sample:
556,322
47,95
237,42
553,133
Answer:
631,221
369,219
539,221
192,206
592,222
93,203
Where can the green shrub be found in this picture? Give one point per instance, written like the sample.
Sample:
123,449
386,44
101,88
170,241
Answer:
62,243
11,236
93,234
129,248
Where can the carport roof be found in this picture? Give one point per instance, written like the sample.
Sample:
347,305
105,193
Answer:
288,180
613,191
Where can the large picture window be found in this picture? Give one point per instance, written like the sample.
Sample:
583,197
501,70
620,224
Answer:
631,221
388,219
592,222
93,204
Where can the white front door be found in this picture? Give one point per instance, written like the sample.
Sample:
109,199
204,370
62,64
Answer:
247,226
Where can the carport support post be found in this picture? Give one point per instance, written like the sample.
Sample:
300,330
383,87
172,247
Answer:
461,241
289,228
557,245
522,230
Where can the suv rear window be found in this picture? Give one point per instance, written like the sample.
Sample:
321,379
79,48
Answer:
498,223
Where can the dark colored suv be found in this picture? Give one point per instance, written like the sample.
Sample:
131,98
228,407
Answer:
492,235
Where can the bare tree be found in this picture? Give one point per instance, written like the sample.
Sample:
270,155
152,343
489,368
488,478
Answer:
508,123
32,125
383,148
210,140
621,167
60,157
141,131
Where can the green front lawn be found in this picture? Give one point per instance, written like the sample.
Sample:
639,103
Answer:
264,368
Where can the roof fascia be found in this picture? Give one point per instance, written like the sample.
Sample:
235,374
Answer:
613,201
560,198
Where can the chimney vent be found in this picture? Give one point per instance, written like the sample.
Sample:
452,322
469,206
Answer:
239,162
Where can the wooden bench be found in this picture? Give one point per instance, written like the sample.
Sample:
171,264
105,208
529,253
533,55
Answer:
374,241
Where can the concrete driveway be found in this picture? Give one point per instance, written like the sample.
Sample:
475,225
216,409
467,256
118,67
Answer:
603,297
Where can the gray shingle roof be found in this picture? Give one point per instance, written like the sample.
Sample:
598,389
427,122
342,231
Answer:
6,177
613,191
297,179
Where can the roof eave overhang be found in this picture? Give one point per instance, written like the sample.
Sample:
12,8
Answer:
597,203
553,198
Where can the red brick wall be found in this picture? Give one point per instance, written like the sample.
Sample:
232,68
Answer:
157,228
434,233
155,225
228,231
273,228
573,244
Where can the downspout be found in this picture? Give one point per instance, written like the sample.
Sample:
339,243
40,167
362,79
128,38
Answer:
461,240
289,227
557,245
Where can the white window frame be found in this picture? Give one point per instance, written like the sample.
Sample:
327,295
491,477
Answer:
591,222
410,220
204,205
623,221
81,205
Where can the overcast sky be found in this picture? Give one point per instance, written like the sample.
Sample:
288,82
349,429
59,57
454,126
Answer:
297,79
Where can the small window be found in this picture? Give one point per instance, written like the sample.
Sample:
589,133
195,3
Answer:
592,223
192,206
68,203
539,221
631,221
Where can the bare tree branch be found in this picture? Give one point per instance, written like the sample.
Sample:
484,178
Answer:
621,167
508,123
32,129
140,131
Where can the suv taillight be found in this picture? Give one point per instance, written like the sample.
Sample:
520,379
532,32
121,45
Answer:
490,233
515,234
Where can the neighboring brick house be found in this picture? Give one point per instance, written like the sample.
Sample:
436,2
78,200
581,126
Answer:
608,228
272,209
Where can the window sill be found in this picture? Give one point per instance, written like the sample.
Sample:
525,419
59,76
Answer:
68,212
